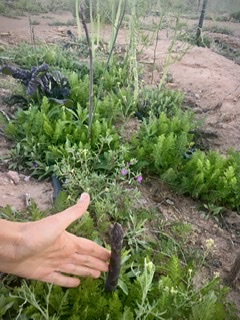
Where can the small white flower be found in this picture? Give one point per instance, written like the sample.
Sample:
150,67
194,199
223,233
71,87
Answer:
209,243
173,291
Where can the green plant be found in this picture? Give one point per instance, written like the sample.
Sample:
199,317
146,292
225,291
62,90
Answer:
32,7
102,174
213,178
42,134
34,22
2,8
172,296
133,50
211,210
218,29
28,56
190,37
57,23
227,50
134,234
156,101
235,15
161,142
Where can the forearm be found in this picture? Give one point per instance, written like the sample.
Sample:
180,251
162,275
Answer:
10,238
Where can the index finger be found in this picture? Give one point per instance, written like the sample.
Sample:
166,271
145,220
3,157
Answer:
91,248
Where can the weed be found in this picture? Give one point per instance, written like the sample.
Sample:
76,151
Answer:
218,29
211,210
235,16
62,23
134,234
157,101
3,9
177,298
227,50
190,37
224,17
34,22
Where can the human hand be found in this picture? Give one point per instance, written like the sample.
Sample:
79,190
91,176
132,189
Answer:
46,251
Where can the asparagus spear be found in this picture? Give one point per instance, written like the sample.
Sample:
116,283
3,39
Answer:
115,259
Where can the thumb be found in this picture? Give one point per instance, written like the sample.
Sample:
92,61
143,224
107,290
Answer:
68,216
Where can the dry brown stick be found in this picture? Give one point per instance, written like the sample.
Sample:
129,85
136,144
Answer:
115,260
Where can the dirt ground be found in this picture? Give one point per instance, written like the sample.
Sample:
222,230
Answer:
211,84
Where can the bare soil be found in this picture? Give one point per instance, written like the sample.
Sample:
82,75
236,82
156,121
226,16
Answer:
211,84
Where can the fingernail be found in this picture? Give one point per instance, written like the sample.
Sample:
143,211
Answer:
84,196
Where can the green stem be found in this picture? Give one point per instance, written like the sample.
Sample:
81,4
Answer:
91,111
169,58
78,19
92,26
133,50
111,52
156,43
98,23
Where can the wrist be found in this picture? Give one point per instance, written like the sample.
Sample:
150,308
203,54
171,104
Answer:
10,239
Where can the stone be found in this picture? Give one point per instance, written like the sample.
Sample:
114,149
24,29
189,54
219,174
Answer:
14,176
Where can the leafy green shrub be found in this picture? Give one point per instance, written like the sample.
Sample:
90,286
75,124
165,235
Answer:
29,6
100,173
172,296
219,29
161,146
224,17
28,56
116,75
155,101
190,37
57,23
235,15
161,142
42,133
213,178
2,8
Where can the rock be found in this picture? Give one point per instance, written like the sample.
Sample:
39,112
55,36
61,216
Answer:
14,176
27,178
197,96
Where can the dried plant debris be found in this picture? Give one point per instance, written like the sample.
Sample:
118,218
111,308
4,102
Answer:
234,271
40,81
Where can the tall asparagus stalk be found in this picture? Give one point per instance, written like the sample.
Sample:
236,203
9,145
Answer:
201,20
91,111
133,49
78,19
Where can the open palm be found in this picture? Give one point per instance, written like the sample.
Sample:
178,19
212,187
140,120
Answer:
47,252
